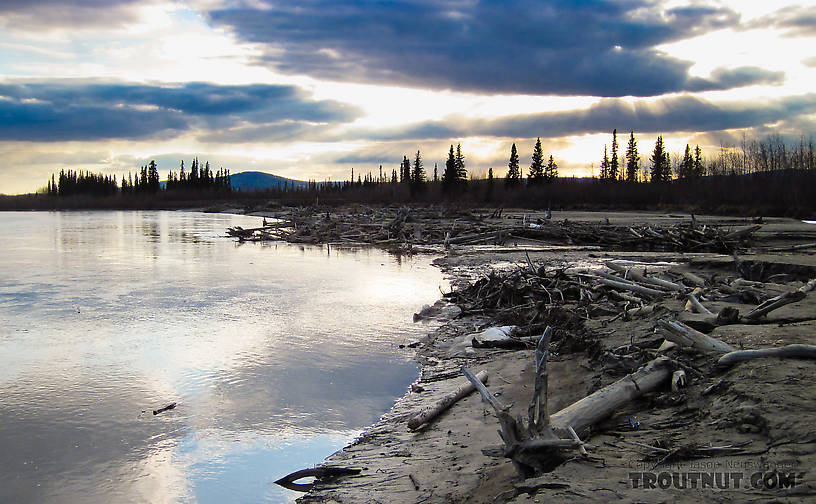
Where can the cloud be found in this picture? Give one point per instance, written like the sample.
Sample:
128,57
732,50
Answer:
796,21
74,14
75,110
678,114
594,47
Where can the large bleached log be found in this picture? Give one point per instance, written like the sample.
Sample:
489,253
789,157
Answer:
433,411
596,407
630,273
684,335
623,285
781,300
796,351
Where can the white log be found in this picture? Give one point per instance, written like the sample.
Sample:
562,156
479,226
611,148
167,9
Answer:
684,335
592,409
796,351
433,411
697,305
631,273
623,285
781,300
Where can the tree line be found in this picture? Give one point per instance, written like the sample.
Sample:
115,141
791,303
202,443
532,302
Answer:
146,180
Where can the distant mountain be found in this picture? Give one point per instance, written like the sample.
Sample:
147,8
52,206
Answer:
253,180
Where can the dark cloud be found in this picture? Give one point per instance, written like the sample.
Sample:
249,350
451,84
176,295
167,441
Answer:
796,21
48,14
592,47
680,114
69,110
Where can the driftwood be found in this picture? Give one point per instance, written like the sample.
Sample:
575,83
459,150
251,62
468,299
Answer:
685,336
795,351
697,305
630,286
631,274
781,300
165,408
538,413
535,448
433,411
590,410
319,473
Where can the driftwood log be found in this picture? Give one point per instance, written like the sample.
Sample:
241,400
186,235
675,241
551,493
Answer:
685,336
319,473
583,414
795,351
436,409
535,447
781,300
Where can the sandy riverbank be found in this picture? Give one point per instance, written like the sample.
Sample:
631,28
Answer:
763,409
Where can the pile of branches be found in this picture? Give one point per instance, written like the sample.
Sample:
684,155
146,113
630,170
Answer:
686,237
383,227
390,226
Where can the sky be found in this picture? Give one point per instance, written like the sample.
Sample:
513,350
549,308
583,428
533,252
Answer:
310,89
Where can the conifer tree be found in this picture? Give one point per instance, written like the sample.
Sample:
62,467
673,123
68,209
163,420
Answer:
605,165
418,174
699,169
686,168
613,163
513,172
632,158
450,176
536,174
661,171
461,172
551,171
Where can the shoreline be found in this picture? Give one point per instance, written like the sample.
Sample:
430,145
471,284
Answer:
443,462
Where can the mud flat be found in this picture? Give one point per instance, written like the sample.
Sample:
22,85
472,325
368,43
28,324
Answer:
742,432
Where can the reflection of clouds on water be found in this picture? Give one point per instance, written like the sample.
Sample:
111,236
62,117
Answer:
266,347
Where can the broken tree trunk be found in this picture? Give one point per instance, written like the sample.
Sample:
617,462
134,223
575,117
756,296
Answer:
592,409
538,414
781,300
684,336
630,273
441,405
795,351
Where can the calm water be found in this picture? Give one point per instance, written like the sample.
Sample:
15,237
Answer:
276,354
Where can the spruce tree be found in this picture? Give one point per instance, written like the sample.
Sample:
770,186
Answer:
605,165
613,163
686,168
551,171
513,172
661,171
449,176
632,159
699,169
461,172
418,174
536,174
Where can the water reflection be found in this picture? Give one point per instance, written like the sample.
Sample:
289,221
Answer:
276,354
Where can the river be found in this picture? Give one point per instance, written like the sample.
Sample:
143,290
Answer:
276,354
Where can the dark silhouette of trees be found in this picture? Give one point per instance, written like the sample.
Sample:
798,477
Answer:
604,175
418,174
405,170
536,173
513,173
455,175
632,158
461,172
614,165
551,170
661,164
